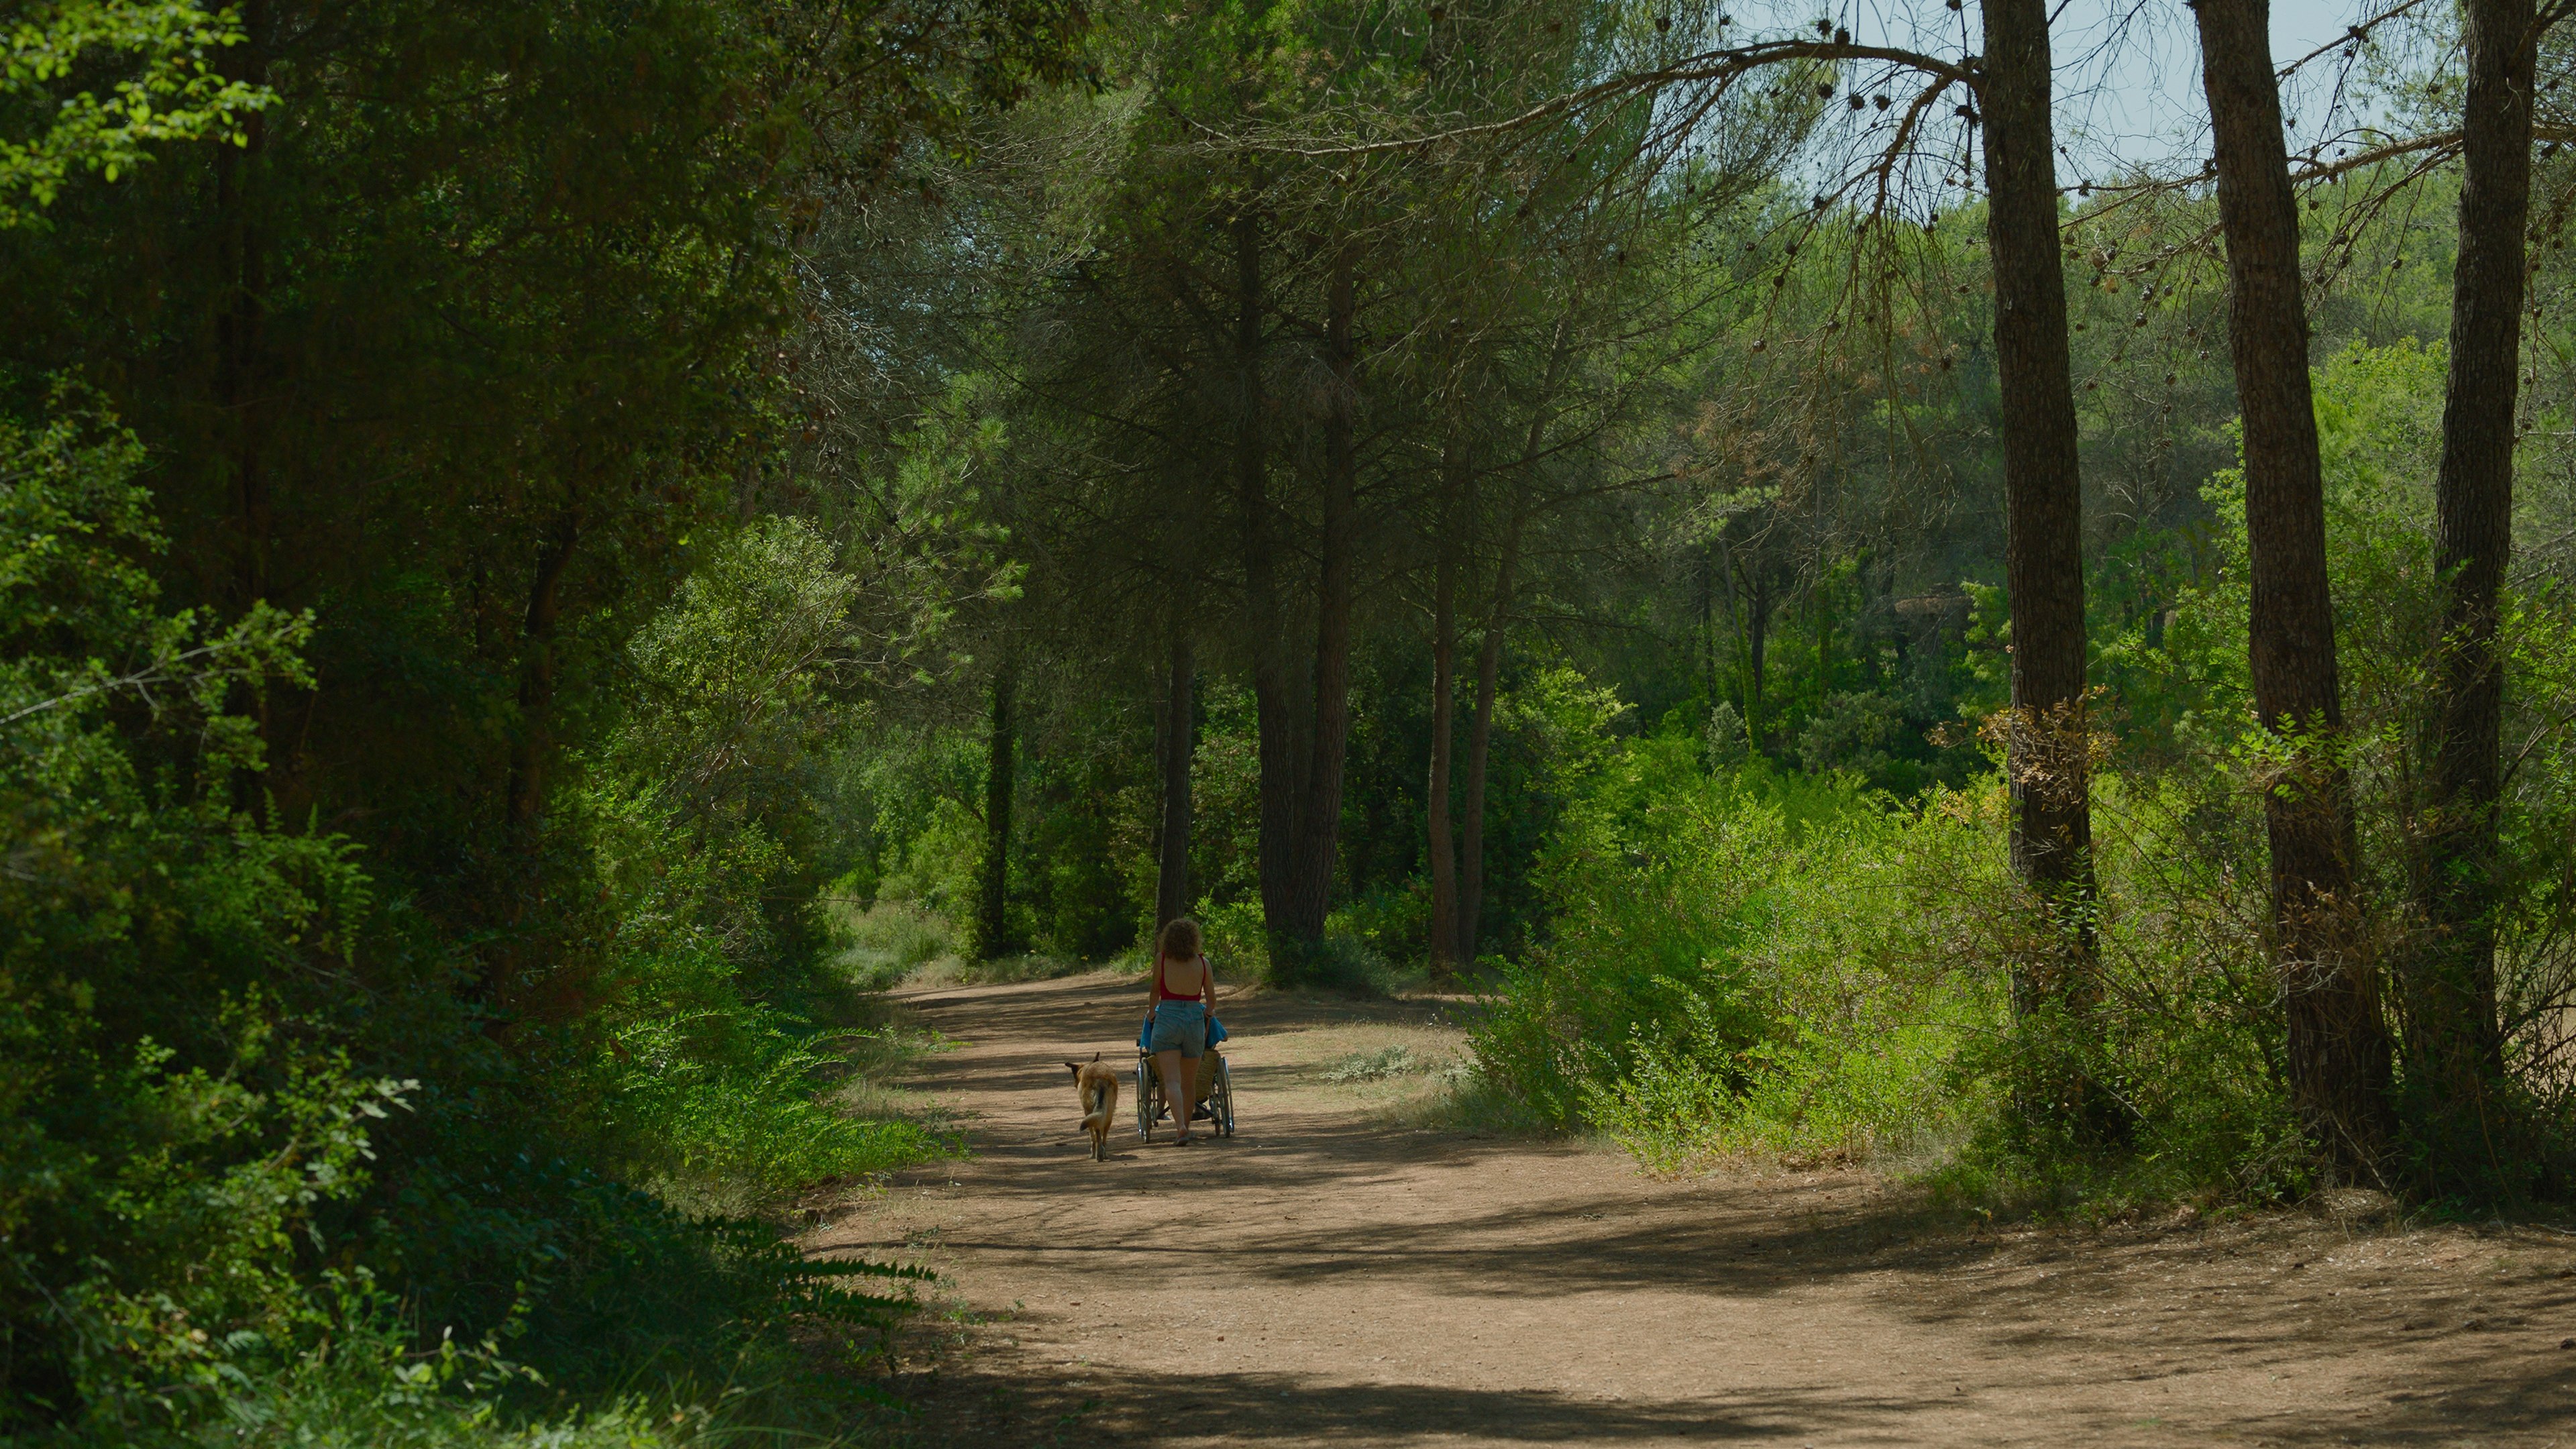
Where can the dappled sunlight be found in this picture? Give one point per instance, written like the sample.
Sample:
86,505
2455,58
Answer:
1337,1276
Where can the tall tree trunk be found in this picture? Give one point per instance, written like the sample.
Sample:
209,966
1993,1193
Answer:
1444,690
2456,1043
1884,676
1001,770
2046,749
526,795
240,329
1275,714
239,393
1820,620
1480,739
1172,896
1489,653
1757,646
1739,654
239,335
1704,589
2338,1059
1319,818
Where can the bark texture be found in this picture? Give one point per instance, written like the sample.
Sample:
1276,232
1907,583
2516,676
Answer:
2043,491
241,387
1480,740
1275,712
2338,1054
1319,815
1749,604
1444,689
1172,896
2046,766
1758,607
529,750
1001,770
2455,1046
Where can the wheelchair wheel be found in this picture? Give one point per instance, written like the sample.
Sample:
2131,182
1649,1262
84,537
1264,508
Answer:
1221,1099
1148,1093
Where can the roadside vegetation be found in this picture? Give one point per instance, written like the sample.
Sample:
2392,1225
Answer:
550,556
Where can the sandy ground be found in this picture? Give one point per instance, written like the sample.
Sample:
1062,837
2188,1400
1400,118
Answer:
1330,1276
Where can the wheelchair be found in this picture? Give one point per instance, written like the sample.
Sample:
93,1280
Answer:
1217,1086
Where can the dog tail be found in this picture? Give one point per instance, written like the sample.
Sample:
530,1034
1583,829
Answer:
1106,1111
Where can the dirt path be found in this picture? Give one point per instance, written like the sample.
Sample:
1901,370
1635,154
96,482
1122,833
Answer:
1328,1277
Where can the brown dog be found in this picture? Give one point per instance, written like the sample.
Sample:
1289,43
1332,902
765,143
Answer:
1098,1087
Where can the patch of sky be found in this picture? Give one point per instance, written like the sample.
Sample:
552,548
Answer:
2128,81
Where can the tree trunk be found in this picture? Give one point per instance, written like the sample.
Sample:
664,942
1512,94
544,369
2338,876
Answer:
2338,1060
1480,738
1172,896
1741,642
2046,761
1001,768
240,329
1444,689
239,393
1757,645
238,346
1276,717
1320,816
1820,619
1704,587
2455,1043
1883,675
528,752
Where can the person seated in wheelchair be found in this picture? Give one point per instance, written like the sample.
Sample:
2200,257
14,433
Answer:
1180,1022
1209,1069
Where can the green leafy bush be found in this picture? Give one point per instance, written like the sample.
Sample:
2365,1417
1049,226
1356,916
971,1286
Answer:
187,1135
176,1109
158,62
711,1068
888,941
1764,963
1237,937
1666,881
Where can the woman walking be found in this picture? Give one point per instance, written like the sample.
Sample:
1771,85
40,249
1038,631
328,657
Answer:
1184,994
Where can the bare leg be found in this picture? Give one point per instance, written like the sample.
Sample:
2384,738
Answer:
1176,1084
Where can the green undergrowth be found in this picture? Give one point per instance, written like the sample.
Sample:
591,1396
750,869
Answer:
889,943
1379,1065
1001,970
1752,964
274,1146
879,944
1742,961
1469,1102
367,1383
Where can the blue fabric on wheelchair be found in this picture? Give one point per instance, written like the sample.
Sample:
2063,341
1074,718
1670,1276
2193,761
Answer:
1145,1033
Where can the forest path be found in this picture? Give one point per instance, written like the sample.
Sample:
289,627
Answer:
1329,1278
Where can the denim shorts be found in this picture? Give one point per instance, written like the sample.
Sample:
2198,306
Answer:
1181,1026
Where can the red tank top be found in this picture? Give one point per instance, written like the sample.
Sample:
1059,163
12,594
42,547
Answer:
1163,991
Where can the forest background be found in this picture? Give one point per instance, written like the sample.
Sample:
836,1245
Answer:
552,550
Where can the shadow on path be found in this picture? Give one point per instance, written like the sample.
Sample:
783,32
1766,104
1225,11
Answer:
1820,1309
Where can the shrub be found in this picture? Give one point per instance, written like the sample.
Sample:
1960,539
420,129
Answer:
1237,938
205,1165
1665,884
1753,962
176,1107
889,941
1850,732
